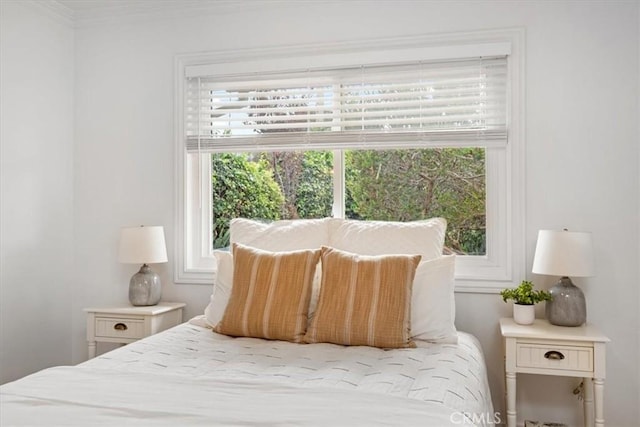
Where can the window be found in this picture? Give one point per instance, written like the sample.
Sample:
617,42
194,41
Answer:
393,185
397,139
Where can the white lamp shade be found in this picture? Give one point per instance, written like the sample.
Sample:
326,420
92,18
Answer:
564,253
142,245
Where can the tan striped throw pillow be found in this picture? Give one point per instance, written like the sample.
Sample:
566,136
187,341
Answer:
364,300
270,294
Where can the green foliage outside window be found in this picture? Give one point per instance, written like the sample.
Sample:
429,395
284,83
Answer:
408,185
306,181
315,192
241,188
394,185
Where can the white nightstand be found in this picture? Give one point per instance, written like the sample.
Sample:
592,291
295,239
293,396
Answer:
545,349
127,324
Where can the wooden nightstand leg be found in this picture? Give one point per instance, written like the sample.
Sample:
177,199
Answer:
588,401
598,391
92,349
511,399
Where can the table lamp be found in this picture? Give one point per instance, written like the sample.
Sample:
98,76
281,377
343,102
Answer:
564,253
143,245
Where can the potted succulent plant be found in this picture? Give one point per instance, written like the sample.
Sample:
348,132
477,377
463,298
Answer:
524,299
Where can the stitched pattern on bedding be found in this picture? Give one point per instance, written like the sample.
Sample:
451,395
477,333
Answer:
451,374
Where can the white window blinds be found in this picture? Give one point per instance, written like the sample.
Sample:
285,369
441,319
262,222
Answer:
420,104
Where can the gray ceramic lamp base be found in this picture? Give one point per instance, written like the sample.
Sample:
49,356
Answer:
568,307
144,287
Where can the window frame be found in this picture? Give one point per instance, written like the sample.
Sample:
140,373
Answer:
504,263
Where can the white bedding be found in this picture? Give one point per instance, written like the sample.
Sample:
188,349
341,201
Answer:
189,375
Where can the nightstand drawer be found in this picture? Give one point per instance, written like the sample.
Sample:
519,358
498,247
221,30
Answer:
107,327
539,355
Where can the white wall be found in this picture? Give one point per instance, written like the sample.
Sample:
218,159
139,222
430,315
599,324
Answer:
36,236
582,156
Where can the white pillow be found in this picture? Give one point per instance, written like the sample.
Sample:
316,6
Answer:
433,307
221,288
424,238
280,236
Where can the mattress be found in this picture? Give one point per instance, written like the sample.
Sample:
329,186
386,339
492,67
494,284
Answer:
189,375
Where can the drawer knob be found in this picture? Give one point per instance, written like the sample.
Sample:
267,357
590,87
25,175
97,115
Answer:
553,355
123,327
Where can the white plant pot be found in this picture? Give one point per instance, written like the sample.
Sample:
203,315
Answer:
524,314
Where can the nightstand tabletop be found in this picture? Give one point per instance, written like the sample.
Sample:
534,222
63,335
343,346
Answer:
151,310
542,329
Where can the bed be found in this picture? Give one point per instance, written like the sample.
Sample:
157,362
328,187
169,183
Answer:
191,375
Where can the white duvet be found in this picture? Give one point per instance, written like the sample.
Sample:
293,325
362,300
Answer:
189,375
